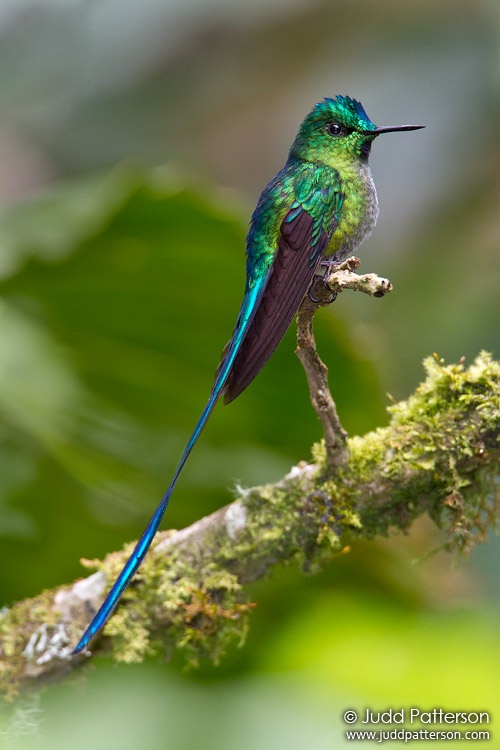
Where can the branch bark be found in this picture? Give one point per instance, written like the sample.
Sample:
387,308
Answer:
439,455
324,292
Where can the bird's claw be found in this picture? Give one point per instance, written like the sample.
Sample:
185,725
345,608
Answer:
321,300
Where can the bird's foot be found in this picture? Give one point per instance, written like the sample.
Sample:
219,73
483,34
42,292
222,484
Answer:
322,298
330,266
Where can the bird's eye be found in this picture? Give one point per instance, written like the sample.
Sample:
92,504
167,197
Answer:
334,128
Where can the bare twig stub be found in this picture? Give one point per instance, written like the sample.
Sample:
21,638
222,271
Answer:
369,283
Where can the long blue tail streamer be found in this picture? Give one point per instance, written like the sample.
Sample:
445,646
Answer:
249,305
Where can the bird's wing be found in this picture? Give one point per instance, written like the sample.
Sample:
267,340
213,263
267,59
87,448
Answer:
303,237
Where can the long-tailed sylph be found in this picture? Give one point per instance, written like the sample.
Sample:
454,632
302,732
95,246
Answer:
314,212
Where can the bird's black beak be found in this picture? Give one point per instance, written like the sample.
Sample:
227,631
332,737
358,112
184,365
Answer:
392,129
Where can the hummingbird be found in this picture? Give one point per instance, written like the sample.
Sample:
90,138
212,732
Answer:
312,215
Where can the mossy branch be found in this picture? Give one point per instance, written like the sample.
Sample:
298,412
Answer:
438,455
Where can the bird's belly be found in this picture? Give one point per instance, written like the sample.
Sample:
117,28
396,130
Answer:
357,218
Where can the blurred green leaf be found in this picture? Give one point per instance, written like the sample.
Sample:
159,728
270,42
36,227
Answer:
429,655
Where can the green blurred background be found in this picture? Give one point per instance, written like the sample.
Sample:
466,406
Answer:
135,139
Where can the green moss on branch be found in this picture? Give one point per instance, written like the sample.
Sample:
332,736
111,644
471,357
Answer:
439,455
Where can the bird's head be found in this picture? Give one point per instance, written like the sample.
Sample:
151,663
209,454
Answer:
338,128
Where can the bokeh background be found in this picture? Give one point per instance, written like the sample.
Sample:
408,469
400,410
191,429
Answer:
135,139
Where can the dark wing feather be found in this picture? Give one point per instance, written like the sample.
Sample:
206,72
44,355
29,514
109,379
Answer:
296,260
